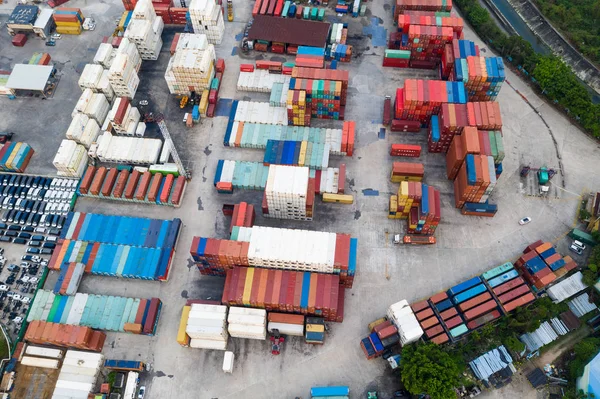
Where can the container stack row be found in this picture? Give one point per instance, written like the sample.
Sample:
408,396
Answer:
71,159
310,57
289,192
247,323
311,98
542,265
315,330
192,66
259,112
285,291
508,287
243,215
286,324
256,135
68,20
421,5
206,326
65,336
78,374
15,156
207,19
94,105
102,312
297,153
420,204
145,30
432,324
420,99
95,76
403,317
124,119
474,184
170,15
476,142
131,150
253,176
333,252
383,334
83,130
261,80
127,184
69,278
421,39
123,72
337,49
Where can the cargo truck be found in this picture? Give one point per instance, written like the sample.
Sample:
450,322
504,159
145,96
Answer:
582,236
127,365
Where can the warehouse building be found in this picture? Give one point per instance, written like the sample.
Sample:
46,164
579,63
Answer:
280,35
28,79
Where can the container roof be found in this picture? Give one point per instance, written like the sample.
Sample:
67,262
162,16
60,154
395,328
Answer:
289,30
29,77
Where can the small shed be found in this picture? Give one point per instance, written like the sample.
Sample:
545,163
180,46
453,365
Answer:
22,18
28,79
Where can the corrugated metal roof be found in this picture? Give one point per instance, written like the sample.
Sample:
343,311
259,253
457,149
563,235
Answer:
491,362
289,30
537,378
566,288
29,77
570,320
581,305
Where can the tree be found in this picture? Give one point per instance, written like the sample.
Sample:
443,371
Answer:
426,368
513,344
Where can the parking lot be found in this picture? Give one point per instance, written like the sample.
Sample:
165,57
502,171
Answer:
386,273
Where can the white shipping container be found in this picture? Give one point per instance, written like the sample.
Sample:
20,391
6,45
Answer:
208,344
228,362
83,102
90,76
44,352
39,362
296,330
249,320
77,126
246,331
90,133
205,332
104,55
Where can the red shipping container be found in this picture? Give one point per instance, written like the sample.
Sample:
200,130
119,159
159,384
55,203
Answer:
405,150
447,314
478,300
453,322
19,40
166,190
109,182
524,300
430,322
399,125
480,310
386,332
132,183
140,193
86,182
440,339
418,306
433,331
424,314
480,321
501,289
438,297
514,294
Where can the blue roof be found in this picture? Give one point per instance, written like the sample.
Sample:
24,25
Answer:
590,381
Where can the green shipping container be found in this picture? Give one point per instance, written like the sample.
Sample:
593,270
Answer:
582,236
403,54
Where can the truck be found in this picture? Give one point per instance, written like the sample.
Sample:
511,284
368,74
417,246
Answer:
582,236
127,365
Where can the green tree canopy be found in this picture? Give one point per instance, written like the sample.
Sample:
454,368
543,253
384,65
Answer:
426,368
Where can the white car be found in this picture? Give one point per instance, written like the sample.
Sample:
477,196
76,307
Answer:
25,299
18,320
17,297
524,221
33,280
25,279
3,288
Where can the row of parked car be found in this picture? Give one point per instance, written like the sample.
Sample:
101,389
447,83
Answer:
25,218
54,183
38,243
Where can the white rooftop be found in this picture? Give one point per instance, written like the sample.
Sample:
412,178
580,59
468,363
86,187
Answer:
29,77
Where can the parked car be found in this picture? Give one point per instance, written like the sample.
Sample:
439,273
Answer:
525,221
576,249
33,251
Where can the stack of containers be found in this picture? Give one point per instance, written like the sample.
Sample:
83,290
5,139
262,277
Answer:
207,19
256,246
420,99
404,319
68,20
297,153
134,150
310,57
123,185
247,323
90,77
71,159
182,338
207,326
405,150
278,96
289,193
536,261
243,216
508,287
430,323
192,67
421,5
83,130
14,157
475,181
483,76
475,303
483,115
285,291
122,118
448,314
66,336
383,335
261,112
321,99
123,72
69,278
472,141
78,374
145,30
105,55
257,135
286,324
407,171
456,53
262,81
135,247
420,204
103,312
315,331
396,58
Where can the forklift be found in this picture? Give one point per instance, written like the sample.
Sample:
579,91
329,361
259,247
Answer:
230,10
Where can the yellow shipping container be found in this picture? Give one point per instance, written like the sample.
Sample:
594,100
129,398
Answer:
399,179
302,157
182,338
248,286
68,30
68,24
315,328
12,155
203,106
121,24
338,198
